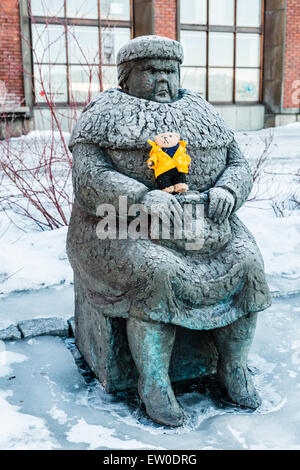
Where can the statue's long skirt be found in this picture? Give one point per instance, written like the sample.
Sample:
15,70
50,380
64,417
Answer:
144,279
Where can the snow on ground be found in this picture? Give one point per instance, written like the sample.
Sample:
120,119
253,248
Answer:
34,260
277,237
279,242
22,431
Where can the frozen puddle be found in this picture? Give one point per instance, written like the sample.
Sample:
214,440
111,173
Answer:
47,302
49,402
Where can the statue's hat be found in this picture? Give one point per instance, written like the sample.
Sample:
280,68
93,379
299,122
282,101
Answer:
150,47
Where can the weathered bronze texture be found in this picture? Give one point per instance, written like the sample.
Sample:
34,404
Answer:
159,286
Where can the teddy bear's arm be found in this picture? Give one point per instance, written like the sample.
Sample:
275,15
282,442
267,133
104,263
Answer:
152,161
96,181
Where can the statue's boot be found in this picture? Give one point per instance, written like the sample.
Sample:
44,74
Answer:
233,343
151,347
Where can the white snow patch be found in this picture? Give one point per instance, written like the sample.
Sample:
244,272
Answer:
295,125
279,242
19,431
35,260
37,135
97,436
7,358
58,414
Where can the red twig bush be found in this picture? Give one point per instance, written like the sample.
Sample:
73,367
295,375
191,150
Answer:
36,178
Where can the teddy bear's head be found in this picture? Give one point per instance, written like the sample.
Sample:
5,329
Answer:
167,139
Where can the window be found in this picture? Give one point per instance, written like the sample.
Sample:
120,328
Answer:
222,42
74,46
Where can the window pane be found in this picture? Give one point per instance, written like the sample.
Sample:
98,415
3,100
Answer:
220,84
48,42
193,11
83,44
221,49
248,13
115,9
54,78
247,85
194,47
247,50
221,12
111,40
194,78
82,8
109,77
84,83
47,8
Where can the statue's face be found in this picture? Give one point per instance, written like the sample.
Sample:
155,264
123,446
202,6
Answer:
155,80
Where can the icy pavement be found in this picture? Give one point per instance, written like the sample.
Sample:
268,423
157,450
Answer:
42,303
47,402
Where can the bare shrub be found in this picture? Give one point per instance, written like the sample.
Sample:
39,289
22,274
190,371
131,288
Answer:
279,189
258,153
35,171
36,179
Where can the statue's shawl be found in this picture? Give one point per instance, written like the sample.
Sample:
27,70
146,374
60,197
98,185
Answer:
114,119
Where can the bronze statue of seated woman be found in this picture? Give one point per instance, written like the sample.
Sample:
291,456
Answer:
158,285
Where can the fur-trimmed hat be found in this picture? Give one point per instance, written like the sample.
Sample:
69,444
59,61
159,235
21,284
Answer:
150,47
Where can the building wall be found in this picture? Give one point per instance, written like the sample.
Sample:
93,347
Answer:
165,19
11,74
292,55
281,59
274,39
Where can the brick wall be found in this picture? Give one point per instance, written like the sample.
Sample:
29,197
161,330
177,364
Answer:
292,56
165,18
11,76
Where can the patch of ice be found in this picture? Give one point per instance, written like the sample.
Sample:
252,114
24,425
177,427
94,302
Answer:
238,436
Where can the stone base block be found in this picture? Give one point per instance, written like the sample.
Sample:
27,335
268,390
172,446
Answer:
102,342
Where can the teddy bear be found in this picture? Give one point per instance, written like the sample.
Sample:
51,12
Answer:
170,162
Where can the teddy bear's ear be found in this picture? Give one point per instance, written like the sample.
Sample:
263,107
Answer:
178,136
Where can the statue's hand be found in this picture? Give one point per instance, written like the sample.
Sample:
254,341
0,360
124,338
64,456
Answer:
221,203
192,197
161,203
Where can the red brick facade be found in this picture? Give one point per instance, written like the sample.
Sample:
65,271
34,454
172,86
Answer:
165,18
292,55
11,76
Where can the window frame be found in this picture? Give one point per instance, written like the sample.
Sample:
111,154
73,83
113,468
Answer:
208,28
68,21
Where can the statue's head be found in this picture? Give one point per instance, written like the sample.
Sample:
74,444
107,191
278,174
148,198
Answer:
149,68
